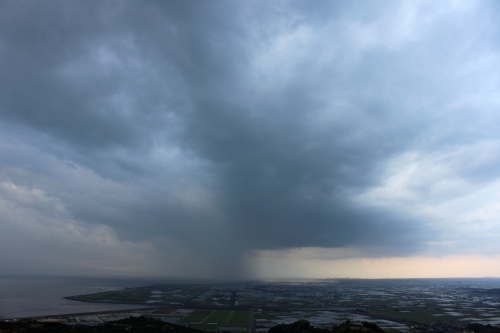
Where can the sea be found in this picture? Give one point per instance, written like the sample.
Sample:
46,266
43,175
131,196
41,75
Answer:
24,297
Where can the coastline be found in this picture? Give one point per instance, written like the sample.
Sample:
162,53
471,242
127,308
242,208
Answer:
26,297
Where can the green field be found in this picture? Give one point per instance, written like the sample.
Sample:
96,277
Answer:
239,318
197,316
219,316
201,318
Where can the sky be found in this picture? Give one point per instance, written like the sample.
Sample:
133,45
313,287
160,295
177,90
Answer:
250,139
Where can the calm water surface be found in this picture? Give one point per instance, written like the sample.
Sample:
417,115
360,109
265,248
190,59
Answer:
29,297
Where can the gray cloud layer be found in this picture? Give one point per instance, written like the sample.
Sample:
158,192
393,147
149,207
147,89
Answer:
202,132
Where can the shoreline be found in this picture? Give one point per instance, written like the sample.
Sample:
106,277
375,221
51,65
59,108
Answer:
76,314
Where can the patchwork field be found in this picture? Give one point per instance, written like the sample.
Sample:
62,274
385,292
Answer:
393,304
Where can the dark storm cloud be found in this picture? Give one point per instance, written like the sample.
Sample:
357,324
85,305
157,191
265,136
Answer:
224,126
280,177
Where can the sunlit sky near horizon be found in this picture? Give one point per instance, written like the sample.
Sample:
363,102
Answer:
250,139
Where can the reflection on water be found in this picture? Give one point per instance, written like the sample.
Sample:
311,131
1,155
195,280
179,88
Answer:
29,297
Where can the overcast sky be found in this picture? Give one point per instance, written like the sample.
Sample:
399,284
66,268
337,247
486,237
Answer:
238,139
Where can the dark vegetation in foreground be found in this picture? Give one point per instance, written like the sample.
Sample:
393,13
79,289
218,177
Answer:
151,325
132,324
303,326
